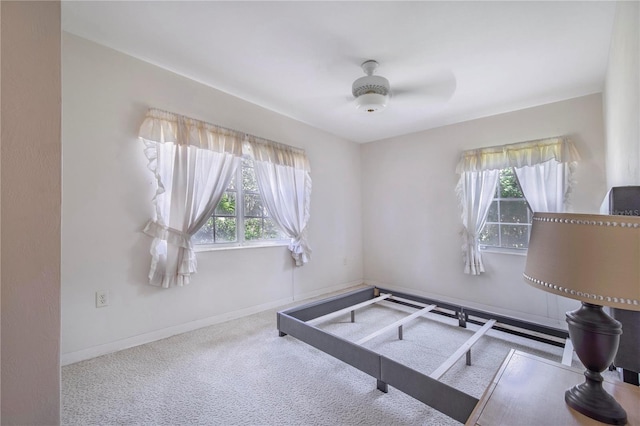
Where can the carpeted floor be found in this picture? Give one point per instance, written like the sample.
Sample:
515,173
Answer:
241,373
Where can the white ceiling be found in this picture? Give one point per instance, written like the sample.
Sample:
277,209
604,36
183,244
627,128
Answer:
300,58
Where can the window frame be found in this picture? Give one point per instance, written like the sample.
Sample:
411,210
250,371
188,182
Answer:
498,198
241,241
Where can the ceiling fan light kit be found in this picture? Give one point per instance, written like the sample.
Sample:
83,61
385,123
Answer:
372,91
371,102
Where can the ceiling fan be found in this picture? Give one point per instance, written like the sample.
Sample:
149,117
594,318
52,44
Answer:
372,92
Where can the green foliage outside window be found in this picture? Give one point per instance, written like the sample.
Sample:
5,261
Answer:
509,218
508,186
222,226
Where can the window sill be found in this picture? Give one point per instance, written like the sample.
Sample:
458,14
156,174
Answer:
203,247
496,250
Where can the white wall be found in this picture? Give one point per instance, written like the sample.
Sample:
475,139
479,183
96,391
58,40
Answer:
411,224
107,192
30,213
622,98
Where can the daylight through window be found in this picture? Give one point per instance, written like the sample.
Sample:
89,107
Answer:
509,218
249,216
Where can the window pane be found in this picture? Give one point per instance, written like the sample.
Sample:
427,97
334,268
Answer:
509,217
249,183
252,229
492,216
227,205
225,229
489,235
515,236
271,230
247,162
240,214
253,205
514,211
205,234
509,187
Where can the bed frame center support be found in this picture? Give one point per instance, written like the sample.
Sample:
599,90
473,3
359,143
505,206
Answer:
465,348
351,309
396,324
463,317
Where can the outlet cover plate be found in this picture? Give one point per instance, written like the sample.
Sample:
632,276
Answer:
102,299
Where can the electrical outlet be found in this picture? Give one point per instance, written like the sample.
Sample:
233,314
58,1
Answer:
102,299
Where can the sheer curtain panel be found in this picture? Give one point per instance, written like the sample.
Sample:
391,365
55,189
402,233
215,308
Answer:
545,186
475,191
284,181
193,163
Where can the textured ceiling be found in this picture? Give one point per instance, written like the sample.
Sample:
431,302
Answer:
446,61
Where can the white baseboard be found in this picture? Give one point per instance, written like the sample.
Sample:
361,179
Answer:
141,339
327,290
118,345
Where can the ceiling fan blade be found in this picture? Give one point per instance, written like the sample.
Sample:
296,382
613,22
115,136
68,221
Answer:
436,88
341,104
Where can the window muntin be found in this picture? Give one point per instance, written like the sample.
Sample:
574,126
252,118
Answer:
235,222
508,222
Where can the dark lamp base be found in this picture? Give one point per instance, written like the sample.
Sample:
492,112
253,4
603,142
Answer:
595,337
595,402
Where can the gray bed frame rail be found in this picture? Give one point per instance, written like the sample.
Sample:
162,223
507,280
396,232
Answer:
446,399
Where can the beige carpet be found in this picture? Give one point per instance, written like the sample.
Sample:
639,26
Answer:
241,373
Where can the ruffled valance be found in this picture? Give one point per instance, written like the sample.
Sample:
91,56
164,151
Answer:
163,127
520,154
278,154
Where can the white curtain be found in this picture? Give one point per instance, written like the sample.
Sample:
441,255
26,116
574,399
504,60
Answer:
545,185
476,190
544,169
193,163
284,181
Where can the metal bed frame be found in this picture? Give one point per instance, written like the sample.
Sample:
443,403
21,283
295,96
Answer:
299,322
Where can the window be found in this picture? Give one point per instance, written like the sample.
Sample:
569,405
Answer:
509,218
502,219
250,215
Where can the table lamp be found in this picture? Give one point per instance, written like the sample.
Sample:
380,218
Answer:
594,259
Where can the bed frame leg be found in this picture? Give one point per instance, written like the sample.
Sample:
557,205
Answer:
353,316
400,332
382,386
469,357
281,334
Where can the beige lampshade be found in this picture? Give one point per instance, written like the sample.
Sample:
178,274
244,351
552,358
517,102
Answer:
592,258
